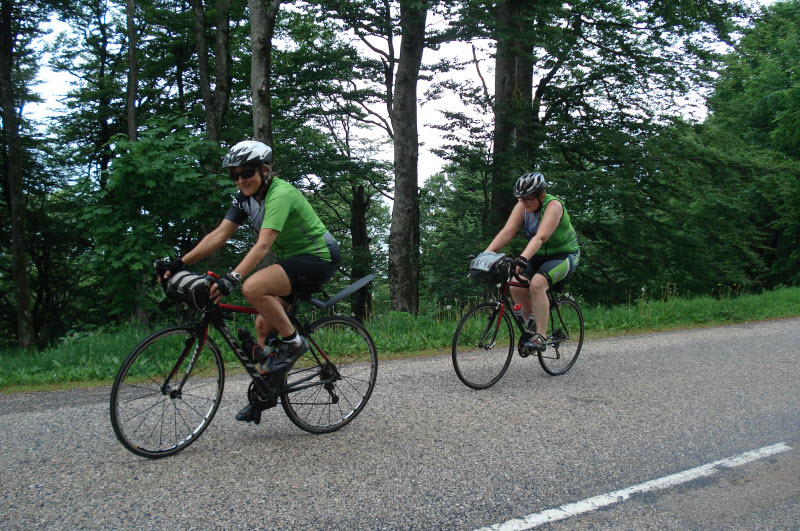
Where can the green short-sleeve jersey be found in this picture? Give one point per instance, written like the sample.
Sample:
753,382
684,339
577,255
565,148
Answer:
300,231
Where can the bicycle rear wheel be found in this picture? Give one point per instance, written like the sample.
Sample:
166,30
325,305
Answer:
564,338
483,345
166,392
325,395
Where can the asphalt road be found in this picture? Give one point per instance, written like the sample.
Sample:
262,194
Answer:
429,453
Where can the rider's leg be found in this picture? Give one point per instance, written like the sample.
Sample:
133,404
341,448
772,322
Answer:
552,270
263,290
521,296
539,303
264,329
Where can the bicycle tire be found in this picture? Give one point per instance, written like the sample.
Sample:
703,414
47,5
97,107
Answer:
479,364
564,338
155,421
332,393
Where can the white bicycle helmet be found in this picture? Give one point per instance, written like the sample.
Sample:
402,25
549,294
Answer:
530,183
248,153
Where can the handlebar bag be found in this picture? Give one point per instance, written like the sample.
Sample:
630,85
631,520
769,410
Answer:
191,288
486,268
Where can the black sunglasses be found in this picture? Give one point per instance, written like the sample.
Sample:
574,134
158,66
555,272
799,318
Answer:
246,173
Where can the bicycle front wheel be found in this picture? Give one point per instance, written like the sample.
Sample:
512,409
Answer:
166,392
330,385
564,338
483,345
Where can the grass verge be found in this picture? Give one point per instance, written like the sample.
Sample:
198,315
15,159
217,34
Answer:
93,359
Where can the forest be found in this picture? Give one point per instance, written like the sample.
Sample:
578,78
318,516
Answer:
669,128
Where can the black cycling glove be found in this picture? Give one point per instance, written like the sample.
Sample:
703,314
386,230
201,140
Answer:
173,266
226,284
521,262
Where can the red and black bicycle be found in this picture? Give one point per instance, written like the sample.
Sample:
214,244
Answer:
170,385
483,343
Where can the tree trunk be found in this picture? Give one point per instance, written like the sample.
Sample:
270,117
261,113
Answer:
216,101
16,199
361,254
404,231
133,71
105,61
140,315
262,28
513,94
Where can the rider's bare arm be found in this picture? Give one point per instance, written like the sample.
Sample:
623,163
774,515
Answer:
266,237
211,242
510,229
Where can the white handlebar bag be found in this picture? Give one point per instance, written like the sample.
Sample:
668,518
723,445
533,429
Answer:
486,268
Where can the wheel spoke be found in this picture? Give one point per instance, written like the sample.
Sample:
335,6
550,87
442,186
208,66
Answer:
152,422
480,365
565,338
349,347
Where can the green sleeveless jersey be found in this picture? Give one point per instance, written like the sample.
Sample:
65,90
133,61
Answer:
564,240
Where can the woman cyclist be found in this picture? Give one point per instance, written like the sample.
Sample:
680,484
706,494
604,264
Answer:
283,221
551,254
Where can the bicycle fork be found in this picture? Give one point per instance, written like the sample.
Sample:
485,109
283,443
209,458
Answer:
492,327
188,345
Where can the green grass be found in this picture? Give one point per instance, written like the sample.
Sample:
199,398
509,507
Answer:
92,359
671,311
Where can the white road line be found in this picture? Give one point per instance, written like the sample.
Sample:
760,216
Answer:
591,504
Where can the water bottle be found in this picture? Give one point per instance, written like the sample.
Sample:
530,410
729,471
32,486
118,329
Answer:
263,358
271,353
519,312
249,345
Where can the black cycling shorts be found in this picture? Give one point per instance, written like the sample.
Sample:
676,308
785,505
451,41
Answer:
307,272
554,268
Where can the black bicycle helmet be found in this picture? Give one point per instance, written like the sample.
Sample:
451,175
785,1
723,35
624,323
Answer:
530,183
248,153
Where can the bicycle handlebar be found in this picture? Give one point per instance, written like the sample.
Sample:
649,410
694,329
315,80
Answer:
512,272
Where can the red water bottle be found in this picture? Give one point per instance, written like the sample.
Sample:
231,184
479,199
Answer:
519,312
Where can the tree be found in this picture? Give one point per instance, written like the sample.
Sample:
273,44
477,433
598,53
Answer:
18,23
216,101
262,30
565,73
94,52
146,220
317,114
133,69
513,86
756,99
404,232
398,73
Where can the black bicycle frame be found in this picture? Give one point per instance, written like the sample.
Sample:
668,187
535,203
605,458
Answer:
551,297
215,318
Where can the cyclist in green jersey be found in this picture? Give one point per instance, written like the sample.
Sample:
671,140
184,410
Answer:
551,254
284,222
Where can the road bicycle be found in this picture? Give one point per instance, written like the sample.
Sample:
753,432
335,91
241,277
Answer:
170,386
483,343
